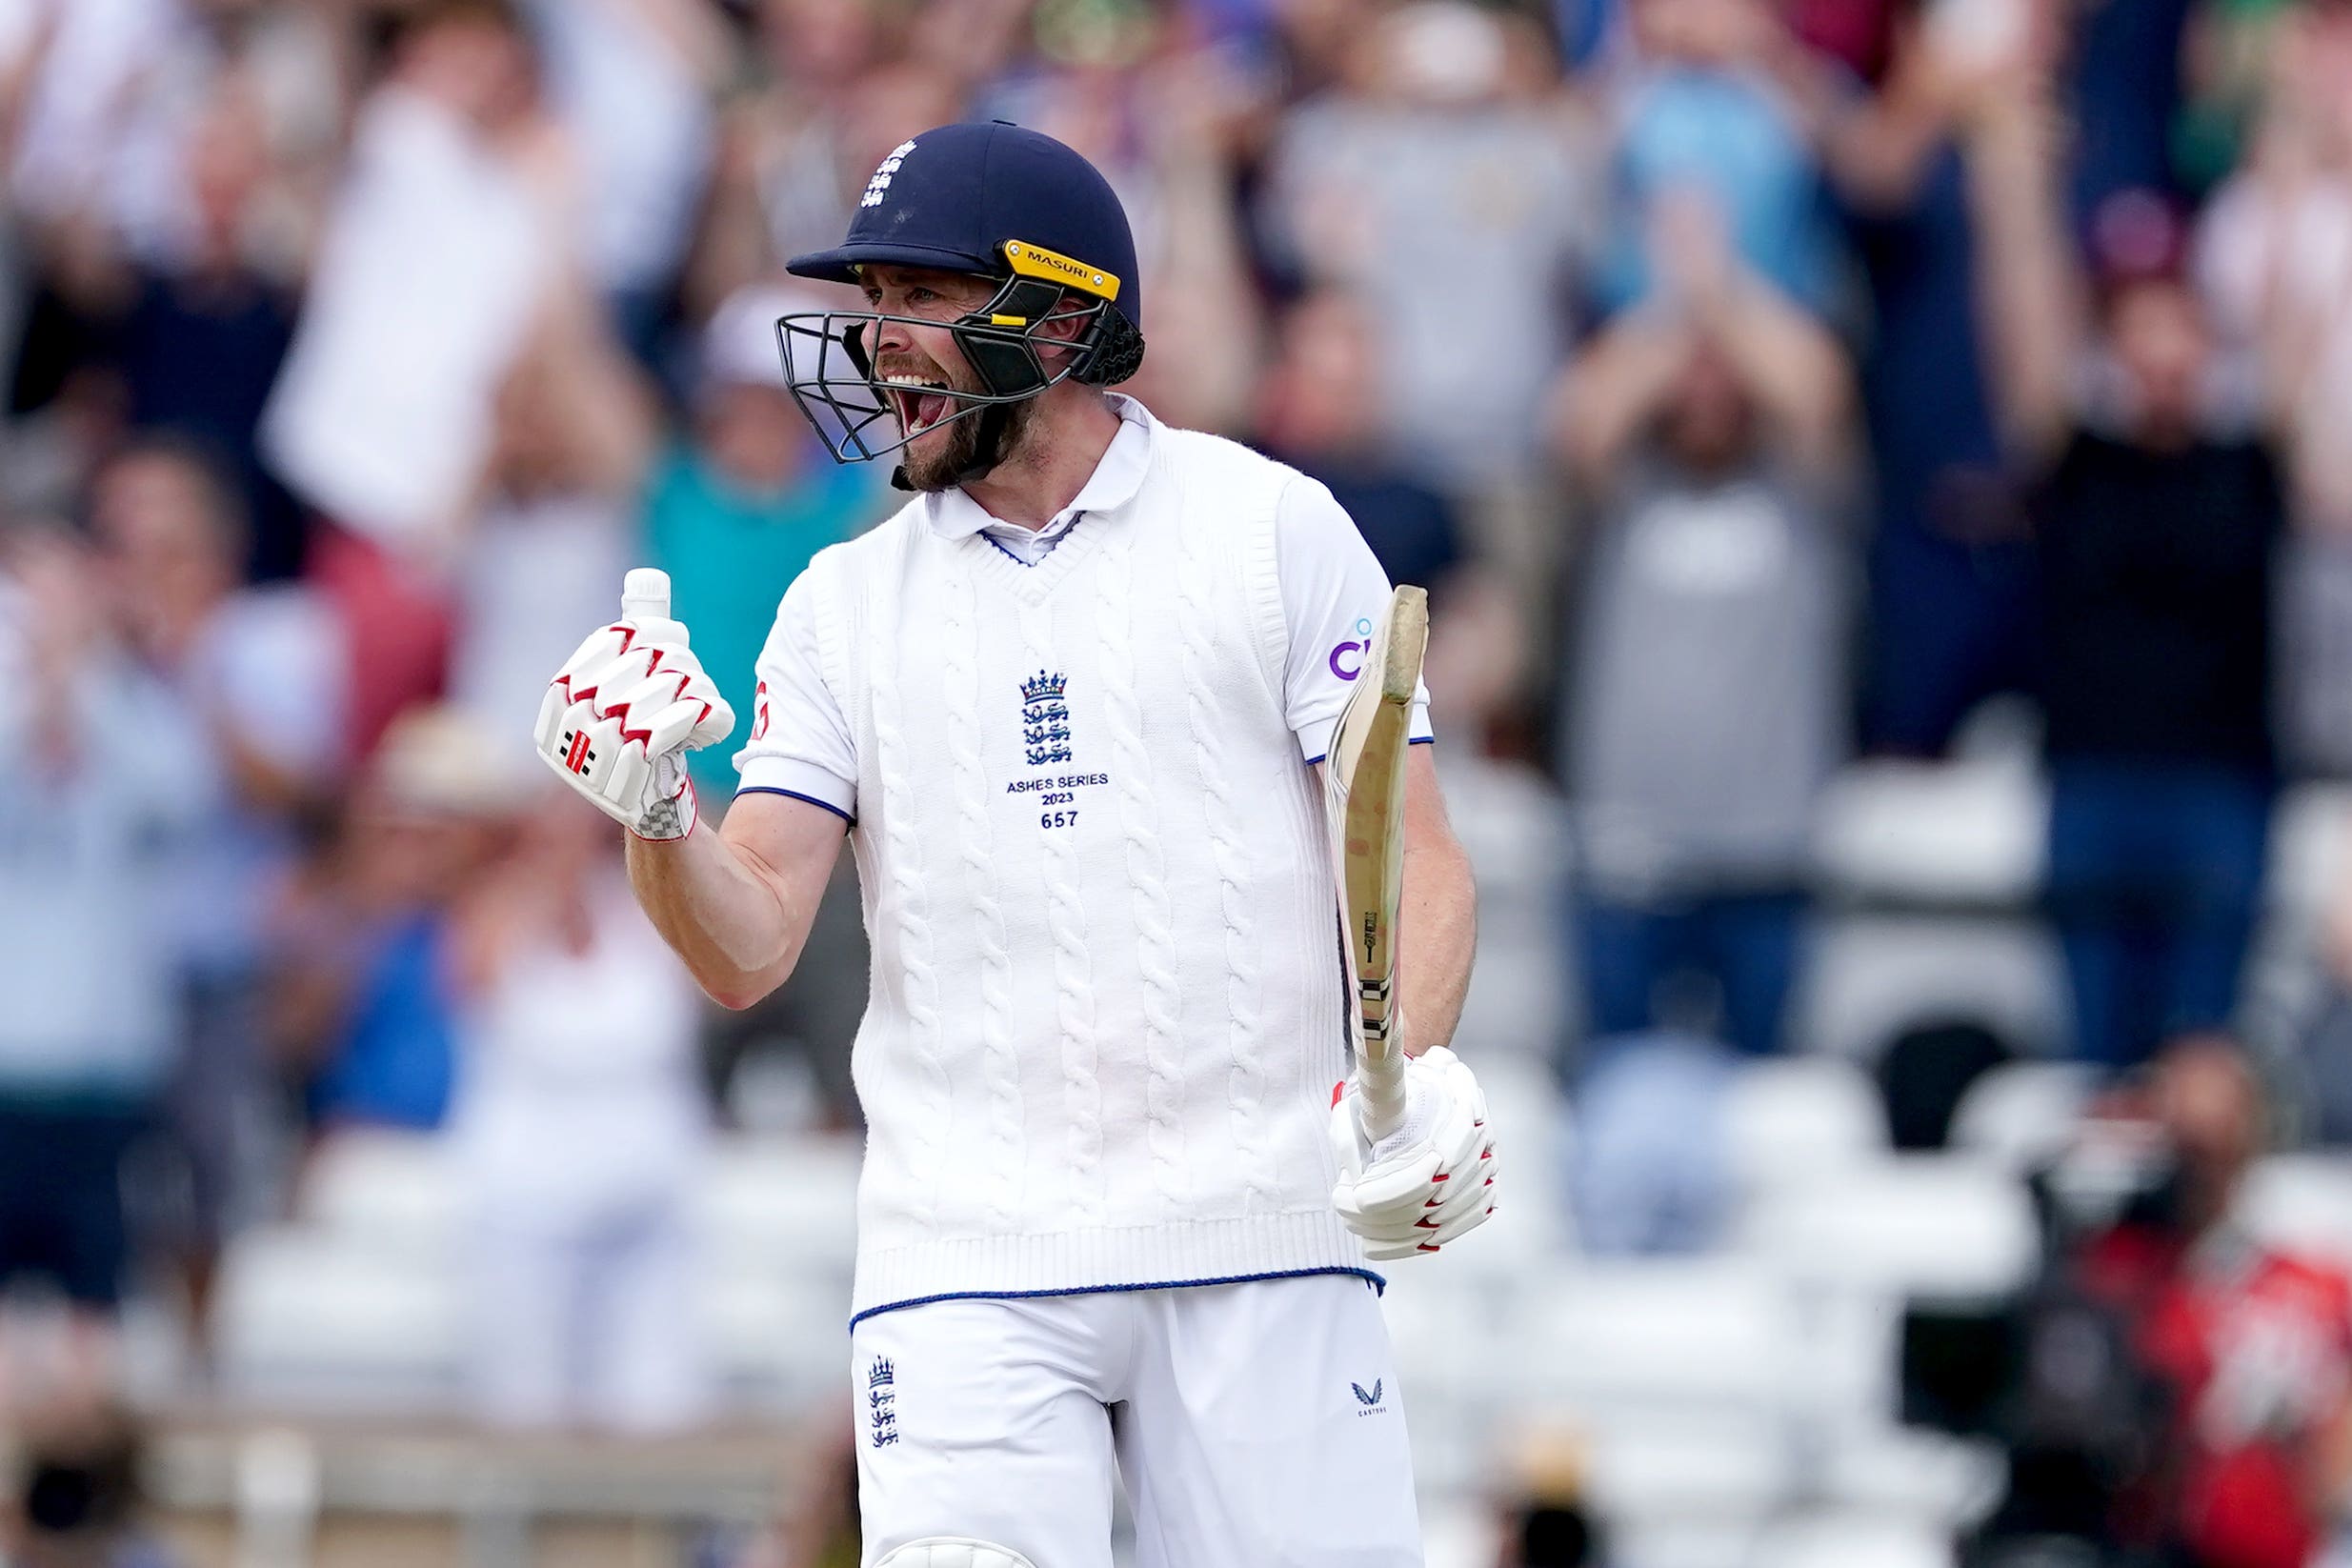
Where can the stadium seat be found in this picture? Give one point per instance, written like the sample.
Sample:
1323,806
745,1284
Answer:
1670,1542
2310,849
1511,821
777,1338
791,1199
2310,864
777,1219
1735,1471
1852,1539
1943,1227
1874,975
394,1190
2021,1113
1879,1468
2303,1203
1963,832
1457,1531
1795,1117
309,1320
1653,1339
1445,1327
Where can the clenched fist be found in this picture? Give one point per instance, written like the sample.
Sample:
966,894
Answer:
623,711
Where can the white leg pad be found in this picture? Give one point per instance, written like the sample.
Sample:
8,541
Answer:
954,1552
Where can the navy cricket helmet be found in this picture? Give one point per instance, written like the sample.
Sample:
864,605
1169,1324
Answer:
1001,202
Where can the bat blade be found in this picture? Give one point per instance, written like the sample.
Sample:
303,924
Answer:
1367,784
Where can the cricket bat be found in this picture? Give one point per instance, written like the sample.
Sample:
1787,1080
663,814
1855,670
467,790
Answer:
1365,782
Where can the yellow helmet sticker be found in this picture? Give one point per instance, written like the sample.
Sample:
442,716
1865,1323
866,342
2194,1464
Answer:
1036,261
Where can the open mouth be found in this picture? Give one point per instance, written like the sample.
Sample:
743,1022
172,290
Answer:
921,402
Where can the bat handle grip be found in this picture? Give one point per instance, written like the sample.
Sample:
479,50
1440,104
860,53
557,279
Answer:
1380,1079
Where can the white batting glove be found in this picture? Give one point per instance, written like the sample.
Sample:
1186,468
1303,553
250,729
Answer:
1430,1180
621,715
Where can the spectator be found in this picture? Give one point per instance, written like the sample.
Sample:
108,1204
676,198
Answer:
2156,514
1170,136
369,977
94,77
1702,115
1506,811
2245,1349
261,672
557,526
1651,1174
1544,1512
79,1498
1318,411
2123,83
422,294
2327,1027
2275,260
795,155
633,81
735,511
170,156
110,772
579,1121
201,343
1711,427
1950,562
1430,170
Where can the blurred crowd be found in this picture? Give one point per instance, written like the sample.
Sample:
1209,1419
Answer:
1759,385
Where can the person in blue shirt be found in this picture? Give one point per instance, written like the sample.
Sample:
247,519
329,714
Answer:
368,964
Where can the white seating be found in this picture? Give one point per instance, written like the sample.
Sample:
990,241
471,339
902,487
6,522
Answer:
790,1200
1653,1339
392,1191
2310,846
1457,1531
778,1342
1670,1542
1880,1468
1725,1470
1871,976
1800,1116
314,1320
1511,823
1849,1539
1944,1227
1970,830
2303,1203
2023,1113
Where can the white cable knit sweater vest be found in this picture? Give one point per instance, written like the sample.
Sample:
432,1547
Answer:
1106,1006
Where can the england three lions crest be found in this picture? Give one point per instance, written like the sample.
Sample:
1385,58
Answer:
1045,719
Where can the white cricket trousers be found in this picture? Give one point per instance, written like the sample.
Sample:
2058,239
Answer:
1256,1425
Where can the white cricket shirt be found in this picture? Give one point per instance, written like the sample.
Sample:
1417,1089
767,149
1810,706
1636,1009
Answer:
1333,591
1107,1003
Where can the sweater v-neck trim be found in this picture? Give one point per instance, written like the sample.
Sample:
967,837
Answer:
1033,581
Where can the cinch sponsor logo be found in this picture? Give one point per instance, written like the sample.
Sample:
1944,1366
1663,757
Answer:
1353,652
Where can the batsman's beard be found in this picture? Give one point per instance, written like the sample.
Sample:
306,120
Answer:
944,457
948,451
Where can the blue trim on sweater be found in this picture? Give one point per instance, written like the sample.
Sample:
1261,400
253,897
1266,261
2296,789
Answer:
796,795
1051,545
1316,760
1377,1283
